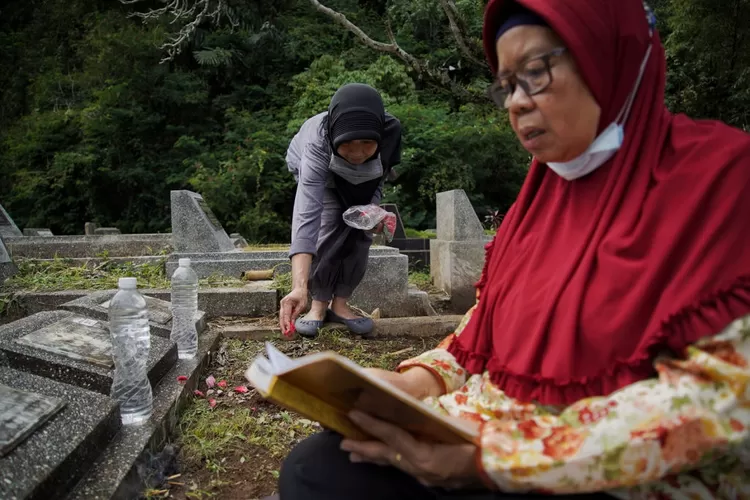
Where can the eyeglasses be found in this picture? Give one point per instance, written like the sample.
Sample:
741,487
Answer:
534,77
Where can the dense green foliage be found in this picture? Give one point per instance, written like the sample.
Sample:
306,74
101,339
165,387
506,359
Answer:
94,127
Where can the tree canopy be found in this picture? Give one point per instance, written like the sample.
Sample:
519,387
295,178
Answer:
106,106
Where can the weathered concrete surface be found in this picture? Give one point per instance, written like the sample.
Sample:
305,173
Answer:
254,299
118,245
428,326
117,472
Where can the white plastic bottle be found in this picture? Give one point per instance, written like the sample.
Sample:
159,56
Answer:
184,309
131,342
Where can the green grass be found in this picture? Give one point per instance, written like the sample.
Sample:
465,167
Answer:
56,275
237,446
414,233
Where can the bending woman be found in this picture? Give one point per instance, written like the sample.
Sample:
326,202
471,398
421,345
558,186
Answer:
339,158
608,350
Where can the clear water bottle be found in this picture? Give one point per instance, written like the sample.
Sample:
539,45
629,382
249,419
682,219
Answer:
131,342
184,309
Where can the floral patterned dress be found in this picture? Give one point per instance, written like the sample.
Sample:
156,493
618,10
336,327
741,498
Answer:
681,436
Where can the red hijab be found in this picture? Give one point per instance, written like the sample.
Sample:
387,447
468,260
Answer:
587,280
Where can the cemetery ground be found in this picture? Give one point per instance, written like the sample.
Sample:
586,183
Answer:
229,441
233,450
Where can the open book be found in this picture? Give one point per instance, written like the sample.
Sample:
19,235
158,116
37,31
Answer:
325,386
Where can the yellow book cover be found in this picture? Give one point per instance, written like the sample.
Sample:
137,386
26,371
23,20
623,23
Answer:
325,386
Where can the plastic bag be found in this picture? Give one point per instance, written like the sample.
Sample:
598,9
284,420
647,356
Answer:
367,218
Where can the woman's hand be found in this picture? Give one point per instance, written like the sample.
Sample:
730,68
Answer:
417,381
448,466
291,307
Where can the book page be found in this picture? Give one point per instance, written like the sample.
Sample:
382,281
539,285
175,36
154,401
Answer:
280,362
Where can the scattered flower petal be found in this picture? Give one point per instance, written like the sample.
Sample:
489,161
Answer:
254,408
290,332
241,389
210,392
210,381
222,383
211,403
182,379
199,393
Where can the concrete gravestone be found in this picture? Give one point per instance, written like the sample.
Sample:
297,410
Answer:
79,338
8,228
21,413
7,268
195,228
73,349
457,254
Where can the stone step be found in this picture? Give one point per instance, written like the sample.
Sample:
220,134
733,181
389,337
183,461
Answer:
57,451
74,349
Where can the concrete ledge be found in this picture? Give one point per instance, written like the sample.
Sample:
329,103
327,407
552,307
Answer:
429,326
116,474
256,299
116,245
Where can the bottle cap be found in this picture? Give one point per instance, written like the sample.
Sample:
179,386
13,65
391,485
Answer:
127,283
184,262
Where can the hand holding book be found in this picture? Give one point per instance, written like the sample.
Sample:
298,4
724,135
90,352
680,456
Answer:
327,386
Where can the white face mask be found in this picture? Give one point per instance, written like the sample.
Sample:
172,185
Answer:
605,145
602,149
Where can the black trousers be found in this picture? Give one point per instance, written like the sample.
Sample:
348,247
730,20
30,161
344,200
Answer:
317,469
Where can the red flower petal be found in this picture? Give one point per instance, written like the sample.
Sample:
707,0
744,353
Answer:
182,379
211,403
222,383
199,393
241,389
210,381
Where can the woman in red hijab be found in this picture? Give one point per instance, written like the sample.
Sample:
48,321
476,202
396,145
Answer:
608,348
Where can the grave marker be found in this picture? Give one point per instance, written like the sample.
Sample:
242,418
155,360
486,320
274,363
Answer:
8,228
195,228
7,268
21,413
457,254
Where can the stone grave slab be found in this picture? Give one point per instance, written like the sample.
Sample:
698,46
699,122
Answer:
7,267
35,344
21,413
36,231
8,228
71,428
96,306
195,227
107,231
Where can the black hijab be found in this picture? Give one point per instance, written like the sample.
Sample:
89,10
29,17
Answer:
357,112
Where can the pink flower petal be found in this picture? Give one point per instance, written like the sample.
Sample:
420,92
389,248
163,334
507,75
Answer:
241,389
211,403
253,408
222,383
210,381
182,379
199,393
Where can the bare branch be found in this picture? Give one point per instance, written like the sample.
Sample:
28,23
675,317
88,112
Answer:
421,67
192,12
452,14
